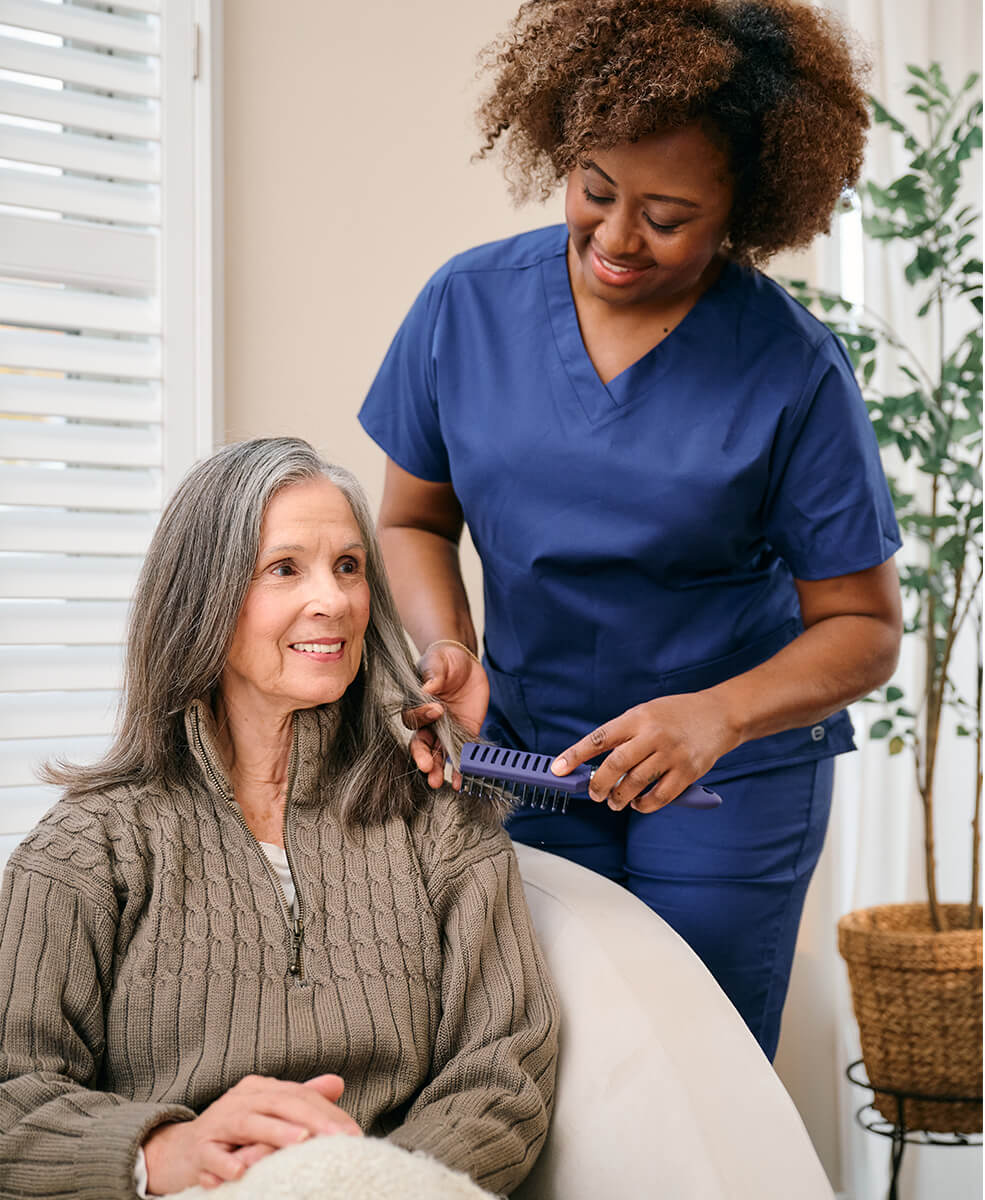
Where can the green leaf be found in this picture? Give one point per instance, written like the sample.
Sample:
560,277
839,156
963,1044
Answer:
896,745
884,117
894,693
880,729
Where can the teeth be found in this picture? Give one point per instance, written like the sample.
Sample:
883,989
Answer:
611,266
318,647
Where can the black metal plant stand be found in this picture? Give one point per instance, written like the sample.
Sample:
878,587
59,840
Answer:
871,1119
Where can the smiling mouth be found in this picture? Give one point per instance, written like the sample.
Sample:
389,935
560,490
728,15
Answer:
317,647
611,271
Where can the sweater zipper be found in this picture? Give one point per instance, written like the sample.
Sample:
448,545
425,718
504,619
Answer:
295,928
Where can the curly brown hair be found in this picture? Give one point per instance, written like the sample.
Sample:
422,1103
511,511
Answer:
777,83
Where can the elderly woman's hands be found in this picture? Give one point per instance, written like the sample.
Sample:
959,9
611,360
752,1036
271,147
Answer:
454,676
255,1117
663,745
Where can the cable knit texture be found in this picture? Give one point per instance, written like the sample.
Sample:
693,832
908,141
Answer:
146,966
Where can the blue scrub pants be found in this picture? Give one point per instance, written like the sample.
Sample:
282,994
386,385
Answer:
730,881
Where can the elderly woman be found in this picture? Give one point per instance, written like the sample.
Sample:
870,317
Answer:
254,900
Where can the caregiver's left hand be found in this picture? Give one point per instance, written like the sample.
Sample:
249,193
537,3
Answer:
673,740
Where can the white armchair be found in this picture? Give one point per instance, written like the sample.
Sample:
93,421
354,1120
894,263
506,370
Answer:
662,1091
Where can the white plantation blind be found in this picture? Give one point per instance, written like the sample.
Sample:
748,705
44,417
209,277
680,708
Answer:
105,322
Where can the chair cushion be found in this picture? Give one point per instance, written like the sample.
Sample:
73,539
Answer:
662,1091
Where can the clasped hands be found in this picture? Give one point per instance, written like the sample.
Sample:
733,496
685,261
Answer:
253,1119
656,749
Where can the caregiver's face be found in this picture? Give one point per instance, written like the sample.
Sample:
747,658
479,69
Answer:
299,638
646,219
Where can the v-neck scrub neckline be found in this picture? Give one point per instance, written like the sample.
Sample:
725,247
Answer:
598,398
640,538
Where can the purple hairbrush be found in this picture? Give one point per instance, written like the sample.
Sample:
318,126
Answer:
529,779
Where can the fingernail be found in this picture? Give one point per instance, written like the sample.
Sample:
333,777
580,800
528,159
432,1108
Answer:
303,1136
559,765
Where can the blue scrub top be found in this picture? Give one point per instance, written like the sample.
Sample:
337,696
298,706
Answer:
638,538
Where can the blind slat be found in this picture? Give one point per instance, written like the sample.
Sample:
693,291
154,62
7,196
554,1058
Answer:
60,532
80,152
82,110
75,197
88,444
78,24
72,623
68,308
20,759
81,66
82,398
144,6
116,357
72,576
73,252
81,487
78,714
60,668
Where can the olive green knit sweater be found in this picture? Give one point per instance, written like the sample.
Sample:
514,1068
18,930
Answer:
148,963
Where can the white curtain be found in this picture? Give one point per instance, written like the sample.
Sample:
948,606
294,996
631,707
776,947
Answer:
874,852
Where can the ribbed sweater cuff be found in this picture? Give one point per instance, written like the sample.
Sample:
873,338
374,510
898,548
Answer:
451,1146
106,1152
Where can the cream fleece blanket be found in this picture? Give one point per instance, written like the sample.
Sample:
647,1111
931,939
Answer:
353,1168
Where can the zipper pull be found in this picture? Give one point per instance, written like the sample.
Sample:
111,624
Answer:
298,932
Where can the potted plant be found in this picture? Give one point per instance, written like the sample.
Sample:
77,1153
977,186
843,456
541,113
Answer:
915,969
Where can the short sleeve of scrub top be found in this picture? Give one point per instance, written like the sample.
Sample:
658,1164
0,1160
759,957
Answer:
642,537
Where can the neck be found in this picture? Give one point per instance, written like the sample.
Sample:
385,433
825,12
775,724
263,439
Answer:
256,750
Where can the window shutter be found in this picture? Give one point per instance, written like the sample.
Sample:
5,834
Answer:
100,269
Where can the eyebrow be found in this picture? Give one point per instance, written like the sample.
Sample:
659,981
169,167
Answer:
646,195
297,547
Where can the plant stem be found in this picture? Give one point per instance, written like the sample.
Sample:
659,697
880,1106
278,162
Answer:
974,911
934,678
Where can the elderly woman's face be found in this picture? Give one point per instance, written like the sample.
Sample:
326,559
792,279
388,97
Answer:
299,637
646,219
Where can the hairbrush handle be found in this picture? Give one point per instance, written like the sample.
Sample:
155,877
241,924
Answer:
695,796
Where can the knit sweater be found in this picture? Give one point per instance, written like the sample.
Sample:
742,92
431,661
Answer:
148,962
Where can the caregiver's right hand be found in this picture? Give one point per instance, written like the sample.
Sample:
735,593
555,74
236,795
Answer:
457,681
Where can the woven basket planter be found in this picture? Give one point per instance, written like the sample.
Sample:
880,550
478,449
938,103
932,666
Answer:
918,1002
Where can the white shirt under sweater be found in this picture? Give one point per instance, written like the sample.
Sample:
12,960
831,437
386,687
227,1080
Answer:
278,860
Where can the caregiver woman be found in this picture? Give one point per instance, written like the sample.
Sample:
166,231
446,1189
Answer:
663,460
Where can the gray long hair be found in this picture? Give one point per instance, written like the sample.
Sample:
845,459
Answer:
192,586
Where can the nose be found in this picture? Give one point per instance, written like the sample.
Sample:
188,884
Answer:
619,234
327,598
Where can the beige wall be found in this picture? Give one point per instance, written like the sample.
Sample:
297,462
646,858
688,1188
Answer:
348,134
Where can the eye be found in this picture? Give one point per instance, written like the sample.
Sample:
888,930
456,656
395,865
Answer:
592,198
661,228
349,566
283,570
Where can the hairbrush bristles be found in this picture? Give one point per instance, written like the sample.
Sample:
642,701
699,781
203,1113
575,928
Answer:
529,780
525,776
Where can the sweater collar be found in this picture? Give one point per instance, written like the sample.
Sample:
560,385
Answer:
314,731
